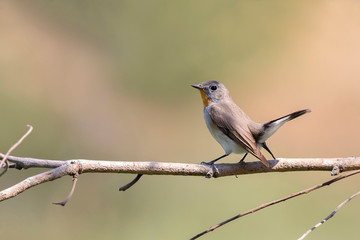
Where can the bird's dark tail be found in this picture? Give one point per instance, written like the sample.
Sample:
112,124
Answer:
271,127
288,117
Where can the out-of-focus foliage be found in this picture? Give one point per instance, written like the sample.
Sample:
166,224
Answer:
159,45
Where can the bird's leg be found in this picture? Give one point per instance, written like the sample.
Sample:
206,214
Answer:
213,161
267,149
243,158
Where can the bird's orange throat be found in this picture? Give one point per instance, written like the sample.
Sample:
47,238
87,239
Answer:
205,99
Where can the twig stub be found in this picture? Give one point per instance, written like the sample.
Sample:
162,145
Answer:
130,184
75,178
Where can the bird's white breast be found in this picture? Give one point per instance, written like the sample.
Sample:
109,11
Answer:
227,143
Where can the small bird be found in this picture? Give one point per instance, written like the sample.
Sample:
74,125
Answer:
232,128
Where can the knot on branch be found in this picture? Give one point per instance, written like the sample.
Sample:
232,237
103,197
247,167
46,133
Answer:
213,172
79,167
72,167
337,169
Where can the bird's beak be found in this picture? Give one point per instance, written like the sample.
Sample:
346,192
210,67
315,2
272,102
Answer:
198,86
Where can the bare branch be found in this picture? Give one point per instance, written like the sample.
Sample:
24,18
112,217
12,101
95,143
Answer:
217,170
75,167
79,166
330,216
63,203
275,202
24,162
4,158
69,168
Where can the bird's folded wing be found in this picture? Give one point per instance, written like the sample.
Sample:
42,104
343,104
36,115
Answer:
230,121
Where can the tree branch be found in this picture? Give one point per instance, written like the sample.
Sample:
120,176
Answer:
24,162
79,166
327,183
73,167
69,168
4,158
330,216
186,169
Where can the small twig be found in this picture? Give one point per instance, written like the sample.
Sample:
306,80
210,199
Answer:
63,203
130,184
26,162
275,202
4,159
68,168
330,216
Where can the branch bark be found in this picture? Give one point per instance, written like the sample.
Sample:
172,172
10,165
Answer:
73,167
186,169
79,166
67,169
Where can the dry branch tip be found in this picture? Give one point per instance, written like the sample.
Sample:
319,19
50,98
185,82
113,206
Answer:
130,184
4,158
327,183
63,203
329,216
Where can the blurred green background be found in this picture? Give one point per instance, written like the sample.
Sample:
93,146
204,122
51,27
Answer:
110,80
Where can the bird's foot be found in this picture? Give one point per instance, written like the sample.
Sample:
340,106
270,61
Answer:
242,162
207,163
213,171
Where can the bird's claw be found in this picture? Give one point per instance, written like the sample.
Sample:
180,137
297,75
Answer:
207,163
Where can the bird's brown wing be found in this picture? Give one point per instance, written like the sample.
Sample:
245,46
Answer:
233,122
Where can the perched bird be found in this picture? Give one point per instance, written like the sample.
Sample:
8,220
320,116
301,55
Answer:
232,128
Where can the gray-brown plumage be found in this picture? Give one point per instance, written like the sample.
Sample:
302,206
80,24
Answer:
231,127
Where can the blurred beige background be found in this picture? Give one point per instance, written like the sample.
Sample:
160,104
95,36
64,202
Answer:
110,80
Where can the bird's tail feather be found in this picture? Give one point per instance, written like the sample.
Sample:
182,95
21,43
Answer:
288,117
271,127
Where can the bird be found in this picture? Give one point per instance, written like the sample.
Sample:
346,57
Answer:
232,128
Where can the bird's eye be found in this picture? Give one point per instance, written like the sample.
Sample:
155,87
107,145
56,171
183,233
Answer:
213,88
